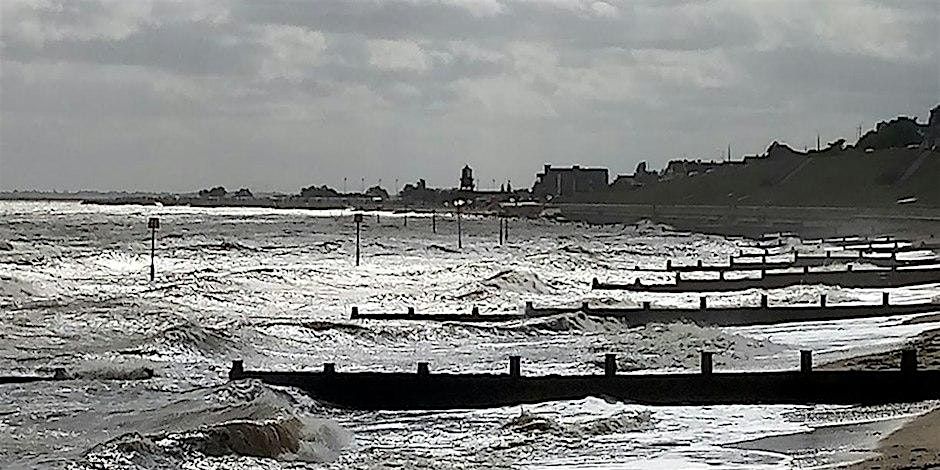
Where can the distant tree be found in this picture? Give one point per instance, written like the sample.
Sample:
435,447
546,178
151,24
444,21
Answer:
243,193
377,191
318,191
217,192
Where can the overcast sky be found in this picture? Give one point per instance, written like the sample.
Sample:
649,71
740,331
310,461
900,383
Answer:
275,95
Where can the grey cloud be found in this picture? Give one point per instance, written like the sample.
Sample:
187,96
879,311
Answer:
279,94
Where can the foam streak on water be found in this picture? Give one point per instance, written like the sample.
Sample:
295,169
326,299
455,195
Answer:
274,288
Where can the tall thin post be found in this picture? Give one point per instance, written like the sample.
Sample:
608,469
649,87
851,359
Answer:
153,224
459,230
358,219
506,229
500,219
433,221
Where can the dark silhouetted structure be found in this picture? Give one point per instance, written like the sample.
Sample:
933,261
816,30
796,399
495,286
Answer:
555,182
466,179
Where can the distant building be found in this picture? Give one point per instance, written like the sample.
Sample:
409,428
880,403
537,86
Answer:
466,178
554,182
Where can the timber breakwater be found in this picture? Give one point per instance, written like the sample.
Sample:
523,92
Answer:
892,277
763,314
425,390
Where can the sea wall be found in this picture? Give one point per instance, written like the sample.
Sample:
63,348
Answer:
808,222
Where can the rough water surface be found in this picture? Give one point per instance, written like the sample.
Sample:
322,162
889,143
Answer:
147,362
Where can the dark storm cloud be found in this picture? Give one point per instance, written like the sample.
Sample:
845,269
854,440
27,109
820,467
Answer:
162,94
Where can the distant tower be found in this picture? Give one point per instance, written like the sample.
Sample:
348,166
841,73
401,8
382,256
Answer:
466,178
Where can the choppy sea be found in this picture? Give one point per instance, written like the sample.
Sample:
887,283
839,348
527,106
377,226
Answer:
274,288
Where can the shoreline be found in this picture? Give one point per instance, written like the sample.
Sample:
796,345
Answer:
903,442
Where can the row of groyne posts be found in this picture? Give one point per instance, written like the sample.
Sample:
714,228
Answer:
153,223
706,364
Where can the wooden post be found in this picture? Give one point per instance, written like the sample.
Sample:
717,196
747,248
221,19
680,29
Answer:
595,283
706,363
529,307
506,229
433,221
909,360
237,371
585,307
355,313
822,300
423,368
459,231
763,300
406,220
646,305
806,360
358,219
885,299
475,310
411,310
610,365
500,219
329,368
703,302
515,366
668,265
153,224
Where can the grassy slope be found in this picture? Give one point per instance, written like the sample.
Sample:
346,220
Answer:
845,178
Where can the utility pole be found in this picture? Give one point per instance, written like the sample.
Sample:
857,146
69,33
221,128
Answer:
817,141
153,224
358,219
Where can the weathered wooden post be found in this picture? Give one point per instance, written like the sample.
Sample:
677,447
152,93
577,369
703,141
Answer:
475,311
529,308
698,264
763,301
355,313
822,300
411,310
153,224
459,204
706,363
406,220
646,305
377,219
500,219
329,368
433,221
806,360
703,302
668,265
585,307
909,360
885,299
515,366
506,229
423,368
237,371
610,365
358,219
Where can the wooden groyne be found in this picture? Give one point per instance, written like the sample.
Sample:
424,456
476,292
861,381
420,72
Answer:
645,313
893,277
425,390
761,262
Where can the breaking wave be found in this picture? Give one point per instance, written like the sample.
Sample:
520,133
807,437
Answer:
187,338
621,422
520,282
656,345
239,418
